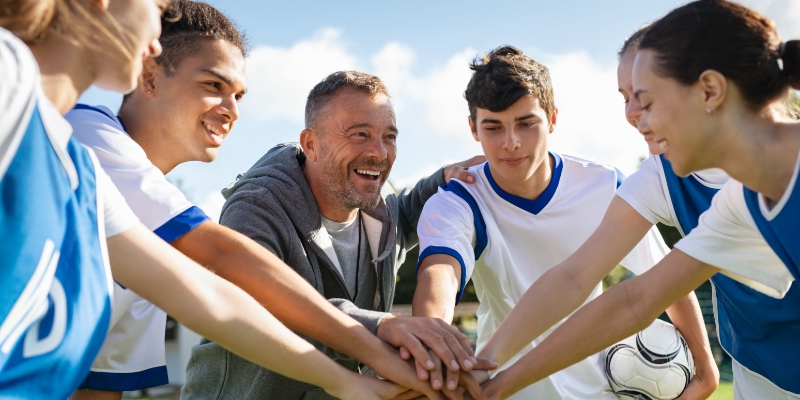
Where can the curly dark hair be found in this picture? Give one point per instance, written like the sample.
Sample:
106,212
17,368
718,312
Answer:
186,24
505,75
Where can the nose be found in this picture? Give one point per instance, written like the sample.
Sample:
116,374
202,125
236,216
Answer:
229,109
633,112
377,148
155,48
511,140
642,124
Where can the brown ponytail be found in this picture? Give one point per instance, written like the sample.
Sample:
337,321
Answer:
731,39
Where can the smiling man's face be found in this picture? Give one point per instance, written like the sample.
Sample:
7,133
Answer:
357,147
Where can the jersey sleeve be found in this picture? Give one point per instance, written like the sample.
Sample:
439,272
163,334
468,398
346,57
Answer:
647,253
644,192
160,205
19,76
446,227
728,238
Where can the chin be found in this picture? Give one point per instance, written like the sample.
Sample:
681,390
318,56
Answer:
654,149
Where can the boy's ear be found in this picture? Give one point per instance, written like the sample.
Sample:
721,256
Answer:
147,80
553,119
472,128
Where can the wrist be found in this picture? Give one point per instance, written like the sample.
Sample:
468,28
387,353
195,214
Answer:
381,324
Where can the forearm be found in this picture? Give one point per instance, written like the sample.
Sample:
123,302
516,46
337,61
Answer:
565,287
688,319
282,291
215,308
437,288
620,312
549,300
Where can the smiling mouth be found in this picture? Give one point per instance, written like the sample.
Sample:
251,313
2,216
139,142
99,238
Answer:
365,173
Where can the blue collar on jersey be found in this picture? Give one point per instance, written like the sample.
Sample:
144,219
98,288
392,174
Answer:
531,206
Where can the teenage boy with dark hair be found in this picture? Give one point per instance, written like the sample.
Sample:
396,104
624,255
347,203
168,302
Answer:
528,210
184,107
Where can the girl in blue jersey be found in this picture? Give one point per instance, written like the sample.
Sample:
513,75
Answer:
708,76
63,219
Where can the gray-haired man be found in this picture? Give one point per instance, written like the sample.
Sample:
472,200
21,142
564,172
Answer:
323,207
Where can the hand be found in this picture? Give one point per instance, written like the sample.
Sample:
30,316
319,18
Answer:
705,381
418,334
468,385
360,387
459,170
385,362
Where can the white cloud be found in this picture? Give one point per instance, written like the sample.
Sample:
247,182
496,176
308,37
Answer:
425,171
279,79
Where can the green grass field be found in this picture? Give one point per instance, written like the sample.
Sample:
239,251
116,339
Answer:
724,392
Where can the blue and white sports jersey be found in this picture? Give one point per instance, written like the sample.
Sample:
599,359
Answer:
133,355
758,331
516,240
729,238
57,209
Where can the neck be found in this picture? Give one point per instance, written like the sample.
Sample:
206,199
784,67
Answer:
759,152
326,203
145,130
532,187
63,69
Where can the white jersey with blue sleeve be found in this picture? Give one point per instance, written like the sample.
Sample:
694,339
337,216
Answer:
133,355
57,209
505,243
729,237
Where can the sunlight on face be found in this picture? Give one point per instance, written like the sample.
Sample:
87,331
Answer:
514,141
672,116
633,109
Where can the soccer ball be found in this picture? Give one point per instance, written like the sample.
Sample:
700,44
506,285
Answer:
652,364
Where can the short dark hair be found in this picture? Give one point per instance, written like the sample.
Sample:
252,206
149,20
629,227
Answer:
324,91
632,42
505,75
731,39
186,24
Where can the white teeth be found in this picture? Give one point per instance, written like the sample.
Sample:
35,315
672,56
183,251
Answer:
663,144
367,172
212,129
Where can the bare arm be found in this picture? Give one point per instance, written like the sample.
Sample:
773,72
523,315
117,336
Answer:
437,287
221,312
563,288
620,312
282,291
686,316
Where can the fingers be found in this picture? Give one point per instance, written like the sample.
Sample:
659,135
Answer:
418,351
482,364
460,348
452,380
404,353
422,372
472,385
437,379
457,394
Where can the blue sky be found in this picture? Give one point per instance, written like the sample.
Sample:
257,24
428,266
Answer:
421,50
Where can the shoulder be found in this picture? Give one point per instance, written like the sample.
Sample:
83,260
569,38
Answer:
595,171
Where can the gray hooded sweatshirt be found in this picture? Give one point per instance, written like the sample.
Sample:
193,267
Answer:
272,204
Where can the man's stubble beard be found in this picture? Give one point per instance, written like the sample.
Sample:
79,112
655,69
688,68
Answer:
342,190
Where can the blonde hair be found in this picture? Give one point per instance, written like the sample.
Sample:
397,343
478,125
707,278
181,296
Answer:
33,21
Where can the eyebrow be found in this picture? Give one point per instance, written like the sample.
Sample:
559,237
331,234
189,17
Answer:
517,119
228,81
368,125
